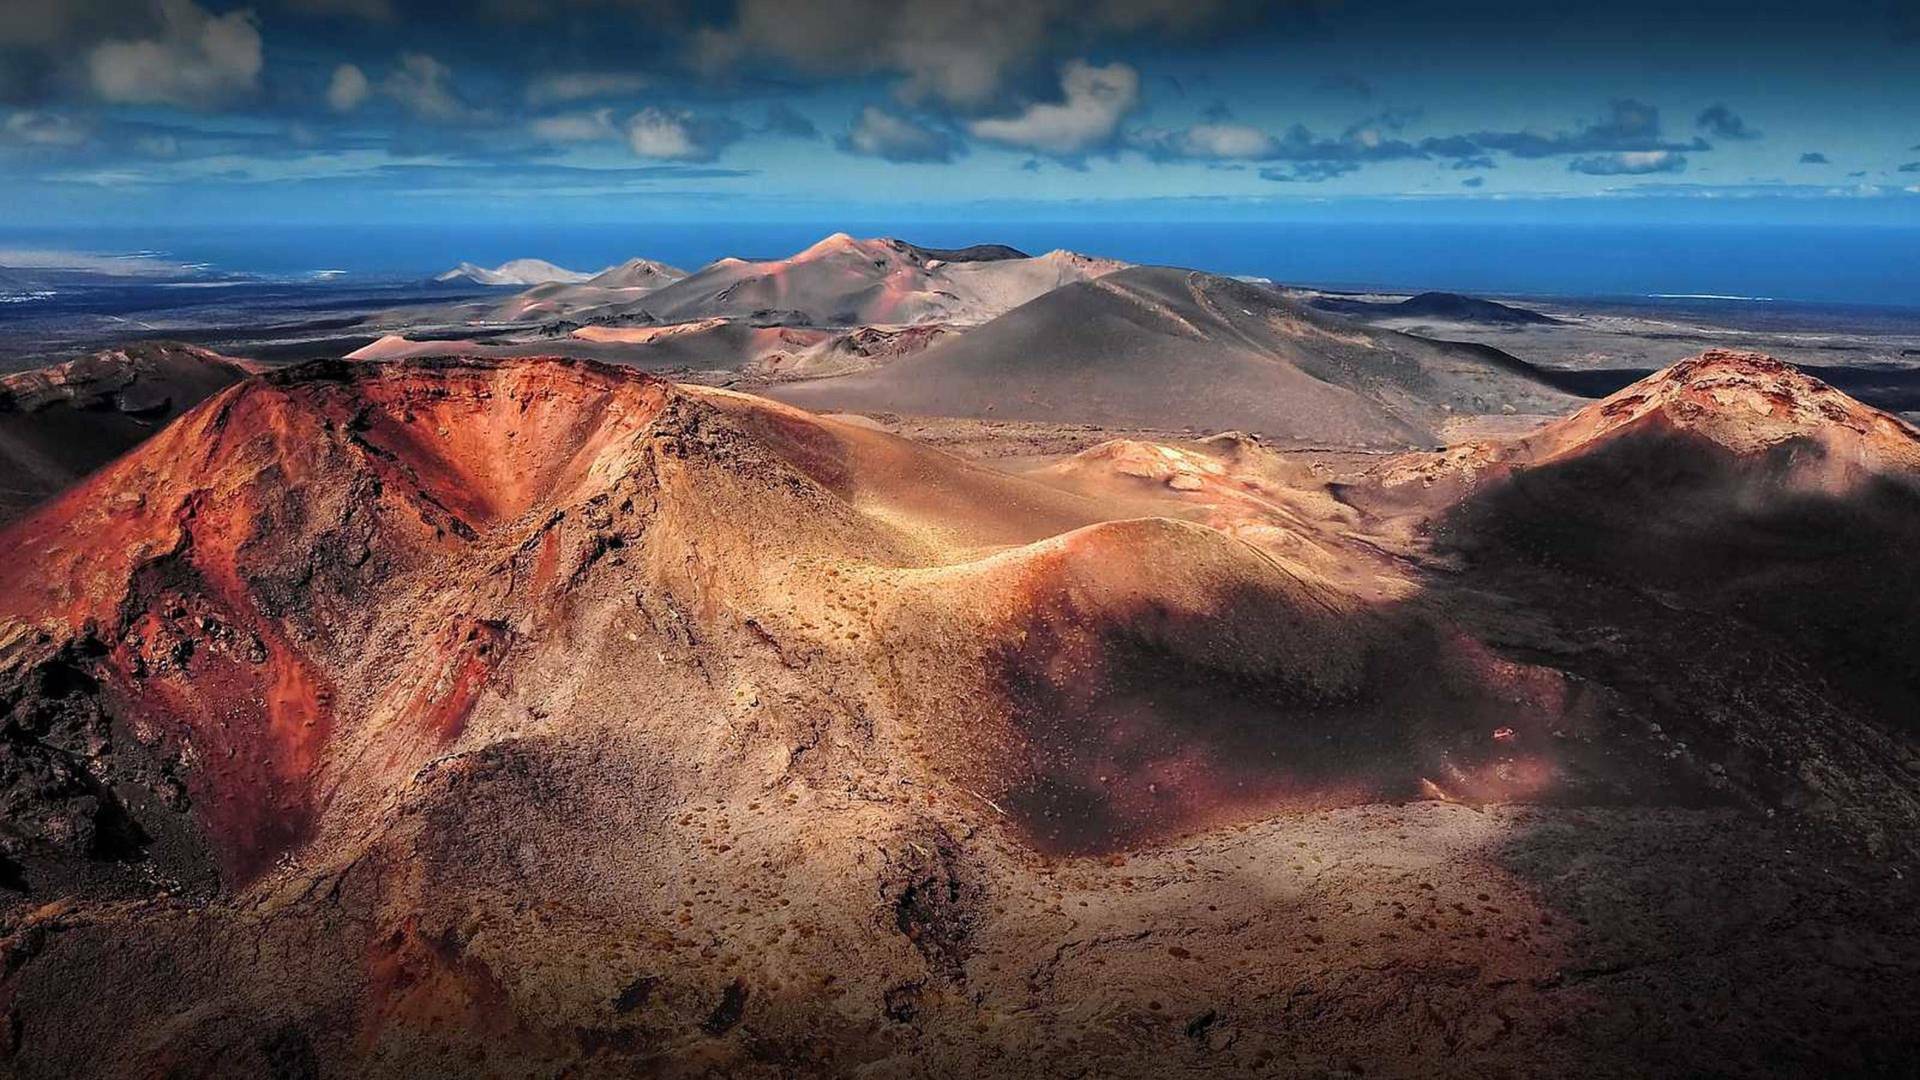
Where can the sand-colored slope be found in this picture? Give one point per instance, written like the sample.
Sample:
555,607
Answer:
862,349
610,292
1160,348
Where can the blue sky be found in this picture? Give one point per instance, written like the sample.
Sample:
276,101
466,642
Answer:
367,111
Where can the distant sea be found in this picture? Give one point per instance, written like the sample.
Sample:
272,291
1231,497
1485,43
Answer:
1823,265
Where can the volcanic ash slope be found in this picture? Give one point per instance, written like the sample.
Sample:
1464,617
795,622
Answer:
1157,348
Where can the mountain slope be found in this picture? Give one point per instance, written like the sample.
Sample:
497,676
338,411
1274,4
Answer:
520,272
841,281
475,495
59,423
637,274
1730,481
573,298
397,718
1158,348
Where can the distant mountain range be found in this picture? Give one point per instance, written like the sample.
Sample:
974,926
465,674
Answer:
520,272
1445,306
839,282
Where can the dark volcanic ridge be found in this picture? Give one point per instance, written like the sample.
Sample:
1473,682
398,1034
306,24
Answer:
1442,306
61,422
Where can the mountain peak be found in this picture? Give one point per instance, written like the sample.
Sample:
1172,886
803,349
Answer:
520,272
637,273
841,243
1747,402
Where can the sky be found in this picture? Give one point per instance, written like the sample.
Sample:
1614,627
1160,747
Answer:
578,111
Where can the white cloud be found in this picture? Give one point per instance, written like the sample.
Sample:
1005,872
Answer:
198,59
880,133
677,135
32,127
592,126
348,88
1210,142
1630,163
423,86
583,86
158,146
1096,99
653,132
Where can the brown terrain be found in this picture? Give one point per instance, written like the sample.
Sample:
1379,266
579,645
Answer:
535,717
60,423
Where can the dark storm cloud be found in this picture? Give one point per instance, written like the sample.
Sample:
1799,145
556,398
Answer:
1473,181
782,119
44,24
417,178
1905,20
1310,172
525,82
964,55
1814,157
1366,142
132,52
1022,75
62,140
1911,166
1360,143
1723,123
1630,126
551,173
1627,141
1348,84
